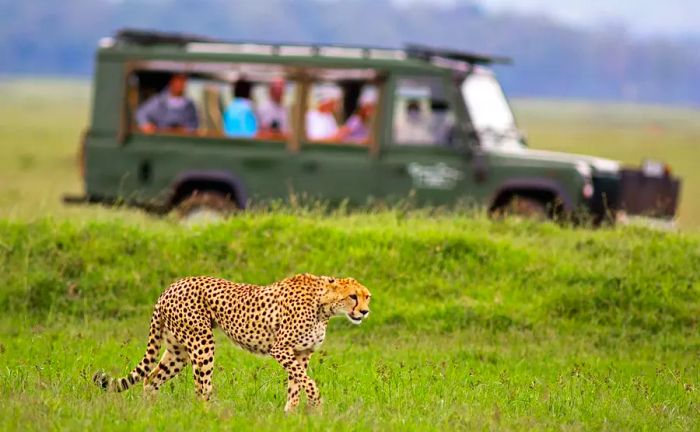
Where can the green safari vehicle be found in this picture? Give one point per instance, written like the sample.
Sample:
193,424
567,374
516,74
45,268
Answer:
256,122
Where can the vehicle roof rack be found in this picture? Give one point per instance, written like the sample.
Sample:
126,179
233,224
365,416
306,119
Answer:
443,57
152,37
427,53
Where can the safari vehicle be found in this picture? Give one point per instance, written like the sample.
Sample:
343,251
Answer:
441,131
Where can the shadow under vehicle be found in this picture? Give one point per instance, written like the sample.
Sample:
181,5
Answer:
440,131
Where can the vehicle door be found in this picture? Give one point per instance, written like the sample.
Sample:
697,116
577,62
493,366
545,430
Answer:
335,161
254,159
426,156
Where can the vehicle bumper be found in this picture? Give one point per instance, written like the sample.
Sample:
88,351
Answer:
648,196
635,193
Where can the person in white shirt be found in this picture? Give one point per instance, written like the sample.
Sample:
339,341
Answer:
321,124
272,114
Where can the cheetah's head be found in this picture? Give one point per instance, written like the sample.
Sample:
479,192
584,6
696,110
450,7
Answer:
346,296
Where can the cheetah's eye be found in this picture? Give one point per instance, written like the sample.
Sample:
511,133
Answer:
353,296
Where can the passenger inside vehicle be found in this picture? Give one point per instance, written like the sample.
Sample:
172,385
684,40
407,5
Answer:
357,128
321,124
342,104
239,118
422,113
273,120
169,110
415,127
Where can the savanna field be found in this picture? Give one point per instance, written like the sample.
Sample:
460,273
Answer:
475,324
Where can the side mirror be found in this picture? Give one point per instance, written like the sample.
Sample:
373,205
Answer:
524,137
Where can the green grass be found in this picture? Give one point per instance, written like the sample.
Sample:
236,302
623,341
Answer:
474,324
41,121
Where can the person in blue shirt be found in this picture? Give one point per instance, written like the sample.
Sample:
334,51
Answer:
239,116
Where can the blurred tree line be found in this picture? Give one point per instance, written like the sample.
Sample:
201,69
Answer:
49,37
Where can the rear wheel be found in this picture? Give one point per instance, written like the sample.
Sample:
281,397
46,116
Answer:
524,207
205,206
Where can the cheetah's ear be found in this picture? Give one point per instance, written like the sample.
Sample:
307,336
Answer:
330,292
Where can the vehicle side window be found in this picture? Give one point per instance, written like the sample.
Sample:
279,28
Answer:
258,109
341,112
218,100
422,115
159,103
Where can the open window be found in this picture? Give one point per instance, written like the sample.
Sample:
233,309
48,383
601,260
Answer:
341,107
237,101
422,113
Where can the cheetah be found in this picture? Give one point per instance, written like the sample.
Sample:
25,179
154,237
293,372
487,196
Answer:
286,320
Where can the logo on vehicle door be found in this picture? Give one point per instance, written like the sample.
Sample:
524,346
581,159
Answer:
438,176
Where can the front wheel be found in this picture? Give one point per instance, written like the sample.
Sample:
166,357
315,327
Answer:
205,206
524,207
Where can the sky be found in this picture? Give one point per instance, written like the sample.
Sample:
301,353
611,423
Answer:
674,18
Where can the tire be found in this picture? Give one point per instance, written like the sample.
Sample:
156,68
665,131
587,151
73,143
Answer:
523,207
205,206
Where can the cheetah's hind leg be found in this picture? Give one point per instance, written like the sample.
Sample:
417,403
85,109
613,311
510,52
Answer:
202,357
174,360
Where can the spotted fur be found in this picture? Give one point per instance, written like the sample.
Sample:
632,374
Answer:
286,320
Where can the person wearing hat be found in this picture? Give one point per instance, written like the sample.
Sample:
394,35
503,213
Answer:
320,122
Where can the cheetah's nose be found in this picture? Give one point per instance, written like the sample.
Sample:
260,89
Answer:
364,311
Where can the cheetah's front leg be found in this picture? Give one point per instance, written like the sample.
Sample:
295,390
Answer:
295,364
292,386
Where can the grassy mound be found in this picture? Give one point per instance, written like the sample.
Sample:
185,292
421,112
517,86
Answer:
474,323
442,272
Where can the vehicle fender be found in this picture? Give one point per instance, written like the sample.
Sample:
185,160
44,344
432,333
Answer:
218,178
530,184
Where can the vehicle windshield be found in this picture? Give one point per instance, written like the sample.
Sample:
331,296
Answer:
490,112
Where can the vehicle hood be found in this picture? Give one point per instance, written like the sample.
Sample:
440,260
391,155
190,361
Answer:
599,165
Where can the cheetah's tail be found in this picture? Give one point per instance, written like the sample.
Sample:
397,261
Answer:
148,363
